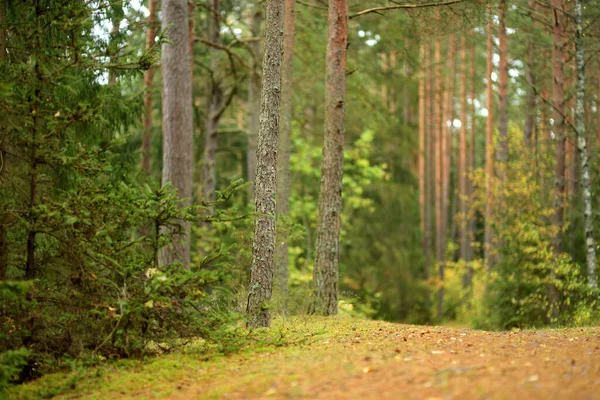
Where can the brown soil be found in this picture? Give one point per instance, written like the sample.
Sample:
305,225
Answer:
377,360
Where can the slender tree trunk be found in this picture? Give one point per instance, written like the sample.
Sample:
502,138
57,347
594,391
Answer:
116,25
254,87
558,127
422,150
583,154
502,153
393,97
178,143
445,154
530,77
148,90
439,172
429,169
489,143
384,84
283,155
263,244
215,103
4,221
471,153
462,162
325,276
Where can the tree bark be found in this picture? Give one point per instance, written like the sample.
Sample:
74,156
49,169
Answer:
178,157
148,90
325,275
530,77
422,155
583,154
214,106
489,144
283,154
502,153
439,162
254,86
558,127
471,154
429,169
4,221
263,244
462,161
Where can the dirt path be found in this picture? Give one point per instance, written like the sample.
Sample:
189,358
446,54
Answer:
387,361
342,358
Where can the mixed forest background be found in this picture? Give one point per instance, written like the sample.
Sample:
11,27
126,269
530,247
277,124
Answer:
430,162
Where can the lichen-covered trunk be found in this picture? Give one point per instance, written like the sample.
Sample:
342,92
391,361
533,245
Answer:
283,154
583,154
489,144
263,244
462,161
325,275
439,163
148,90
178,144
254,84
4,217
502,152
215,103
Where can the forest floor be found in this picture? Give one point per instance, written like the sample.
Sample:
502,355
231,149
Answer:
343,358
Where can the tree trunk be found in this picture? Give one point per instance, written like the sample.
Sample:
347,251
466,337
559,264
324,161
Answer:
502,153
439,162
283,155
558,128
148,90
263,244
583,154
4,221
254,84
429,168
214,106
462,161
422,152
178,143
530,77
489,144
471,154
325,276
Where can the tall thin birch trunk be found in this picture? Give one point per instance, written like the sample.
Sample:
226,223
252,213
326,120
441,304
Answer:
583,154
254,87
215,104
489,144
325,275
283,154
178,143
263,244
148,90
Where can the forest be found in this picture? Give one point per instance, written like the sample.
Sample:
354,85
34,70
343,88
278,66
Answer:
183,170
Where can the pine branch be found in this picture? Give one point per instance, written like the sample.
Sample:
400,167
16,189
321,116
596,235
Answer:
404,6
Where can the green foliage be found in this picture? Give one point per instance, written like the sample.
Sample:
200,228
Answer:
530,285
